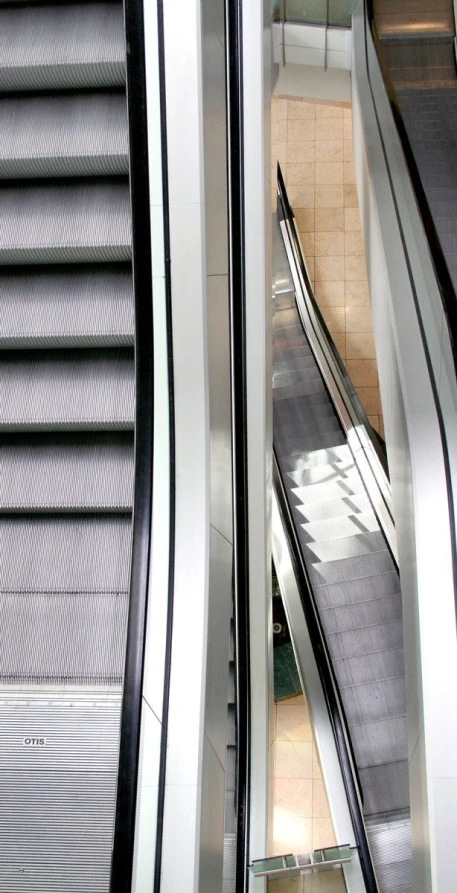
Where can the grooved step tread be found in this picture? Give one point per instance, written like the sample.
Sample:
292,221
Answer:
67,391
80,221
67,307
61,46
67,473
63,136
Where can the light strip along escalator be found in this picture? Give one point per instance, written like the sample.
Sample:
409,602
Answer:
332,481
67,415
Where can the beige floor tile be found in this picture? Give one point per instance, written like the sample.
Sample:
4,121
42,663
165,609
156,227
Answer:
355,268
374,421
350,196
330,150
305,219
339,341
279,152
286,885
329,220
301,110
320,803
317,773
348,172
274,200
292,833
296,701
301,196
330,294
278,109
329,244
328,111
348,151
301,129
324,882
352,220
353,241
335,319
329,173
295,795
360,345
310,267
329,196
323,833
300,174
300,151
381,426
363,373
293,723
279,130
347,124
369,398
359,319
329,268
357,293
329,129
307,241
293,759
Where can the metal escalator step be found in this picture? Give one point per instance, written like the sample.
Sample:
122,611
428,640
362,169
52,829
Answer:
61,46
63,136
291,451
67,473
375,700
299,388
63,637
75,390
343,526
385,788
292,366
321,474
380,742
72,222
290,434
324,491
374,667
67,307
52,553
384,609
336,509
346,547
299,414
358,591
322,457
369,565
365,641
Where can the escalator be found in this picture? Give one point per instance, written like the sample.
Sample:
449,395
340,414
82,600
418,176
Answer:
67,413
334,498
416,41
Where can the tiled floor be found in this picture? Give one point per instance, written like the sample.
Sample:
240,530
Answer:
301,817
313,143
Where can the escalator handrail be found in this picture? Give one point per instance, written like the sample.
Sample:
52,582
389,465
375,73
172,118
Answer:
129,746
366,451
442,277
438,260
329,684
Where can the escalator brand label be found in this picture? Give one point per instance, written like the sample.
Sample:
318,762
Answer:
34,742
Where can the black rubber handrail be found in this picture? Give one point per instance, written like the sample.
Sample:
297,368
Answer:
329,684
235,155
351,393
127,782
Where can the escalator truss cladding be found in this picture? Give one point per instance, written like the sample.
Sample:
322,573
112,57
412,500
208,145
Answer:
66,439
